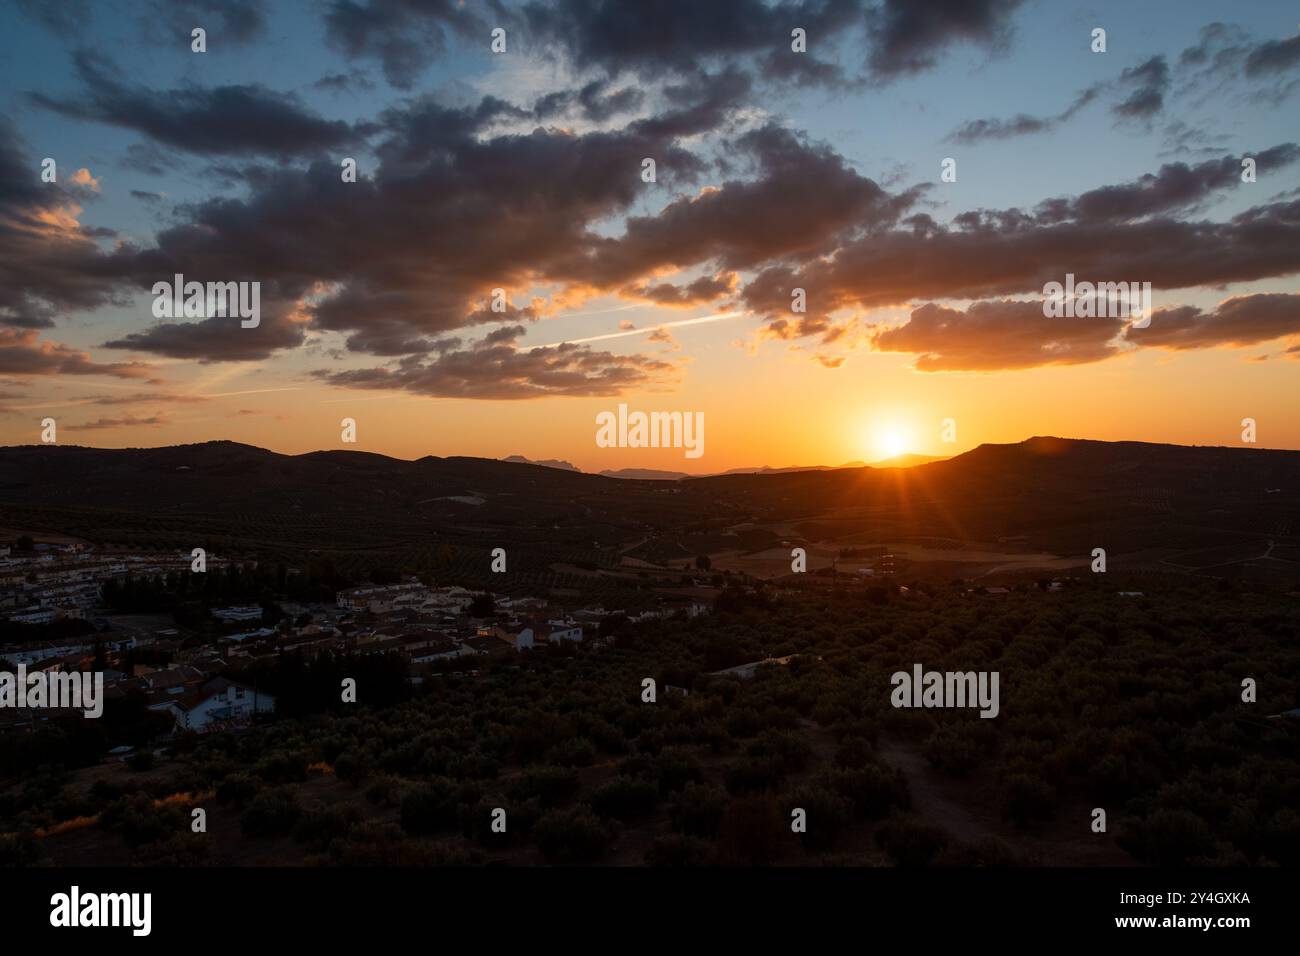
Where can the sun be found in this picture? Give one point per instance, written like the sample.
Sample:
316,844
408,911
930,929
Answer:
892,441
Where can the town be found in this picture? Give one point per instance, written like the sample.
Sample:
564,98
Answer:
62,610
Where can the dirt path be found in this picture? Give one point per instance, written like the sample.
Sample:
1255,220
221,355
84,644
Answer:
928,799
965,809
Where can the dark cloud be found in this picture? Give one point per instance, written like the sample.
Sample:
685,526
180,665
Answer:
221,339
1020,256
597,101
906,36
49,262
663,336
414,248
405,36
701,104
1240,321
995,335
678,35
226,21
495,368
65,18
148,197
344,82
979,130
1225,53
802,201
448,207
1221,46
702,290
223,120
1176,186
1273,56
674,36
805,326
1147,83
149,158
127,422
1183,139
1142,90
22,353
137,398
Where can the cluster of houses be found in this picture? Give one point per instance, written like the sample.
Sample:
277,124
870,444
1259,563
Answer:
427,624
430,628
53,582
434,629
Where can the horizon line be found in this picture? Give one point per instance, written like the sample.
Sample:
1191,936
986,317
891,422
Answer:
880,464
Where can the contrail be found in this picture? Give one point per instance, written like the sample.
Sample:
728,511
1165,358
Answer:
252,391
650,328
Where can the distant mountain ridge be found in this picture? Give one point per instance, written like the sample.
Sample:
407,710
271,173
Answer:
544,462
1176,509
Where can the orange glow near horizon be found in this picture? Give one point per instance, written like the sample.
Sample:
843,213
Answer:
771,406
890,441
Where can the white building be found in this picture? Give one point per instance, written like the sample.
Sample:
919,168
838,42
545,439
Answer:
555,631
220,704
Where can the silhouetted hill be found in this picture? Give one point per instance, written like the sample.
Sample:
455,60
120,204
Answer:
906,461
645,474
1223,510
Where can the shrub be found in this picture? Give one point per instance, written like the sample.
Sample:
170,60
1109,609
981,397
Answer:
283,767
753,774
385,790
550,785
270,813
787,750
383,844
874,789
753,832
140,822
352,767
1170,838
572,835
1027,798
827,814
698,810
675,768
476,821
238,789
431,807
320,826
574,752
18,849
954,751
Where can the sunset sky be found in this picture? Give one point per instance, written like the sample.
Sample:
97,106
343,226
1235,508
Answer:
774,170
